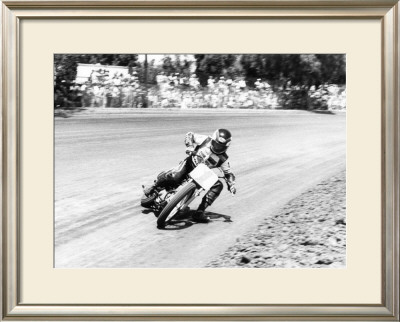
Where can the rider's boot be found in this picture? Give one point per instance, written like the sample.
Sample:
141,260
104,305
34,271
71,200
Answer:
199,215
157,186
207,201
148,191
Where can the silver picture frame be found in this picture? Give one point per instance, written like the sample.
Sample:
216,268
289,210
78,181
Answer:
15,11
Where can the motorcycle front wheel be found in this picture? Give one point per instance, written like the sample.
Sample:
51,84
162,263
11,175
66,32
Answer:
173,206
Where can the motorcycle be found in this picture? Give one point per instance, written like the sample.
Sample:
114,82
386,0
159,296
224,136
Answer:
170,201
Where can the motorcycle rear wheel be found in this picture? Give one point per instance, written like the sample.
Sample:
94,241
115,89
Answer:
185,192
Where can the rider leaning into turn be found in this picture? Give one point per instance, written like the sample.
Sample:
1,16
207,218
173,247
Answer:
201,147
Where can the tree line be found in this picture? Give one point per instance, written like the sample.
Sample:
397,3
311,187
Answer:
279,70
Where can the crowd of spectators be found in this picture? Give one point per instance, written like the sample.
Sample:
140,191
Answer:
186,92
104,89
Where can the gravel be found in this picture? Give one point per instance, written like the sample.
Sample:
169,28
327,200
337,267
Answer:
309,232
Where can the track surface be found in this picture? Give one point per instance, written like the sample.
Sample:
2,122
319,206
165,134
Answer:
102,160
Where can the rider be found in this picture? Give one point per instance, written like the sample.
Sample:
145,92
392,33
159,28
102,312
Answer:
212,149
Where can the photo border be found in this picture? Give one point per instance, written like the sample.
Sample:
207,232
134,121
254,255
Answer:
13,12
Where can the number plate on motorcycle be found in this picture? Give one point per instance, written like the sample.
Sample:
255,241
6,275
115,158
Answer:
204,176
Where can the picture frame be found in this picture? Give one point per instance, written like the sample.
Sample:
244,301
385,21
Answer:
16,11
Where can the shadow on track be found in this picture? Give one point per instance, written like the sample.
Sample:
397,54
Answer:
148,211
68,112
328,112
216,216
185,220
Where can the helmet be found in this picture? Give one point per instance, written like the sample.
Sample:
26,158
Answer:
220,141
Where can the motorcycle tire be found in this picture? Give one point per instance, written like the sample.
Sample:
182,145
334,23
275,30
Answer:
186,190
148,201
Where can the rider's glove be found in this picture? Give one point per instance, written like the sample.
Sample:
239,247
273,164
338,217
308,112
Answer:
230,180
189,139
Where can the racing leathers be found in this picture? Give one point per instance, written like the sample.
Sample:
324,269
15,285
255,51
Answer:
199,150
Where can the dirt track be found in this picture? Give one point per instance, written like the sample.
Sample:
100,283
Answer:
101,161
309,231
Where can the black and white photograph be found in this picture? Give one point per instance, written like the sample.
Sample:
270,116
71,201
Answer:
200,161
